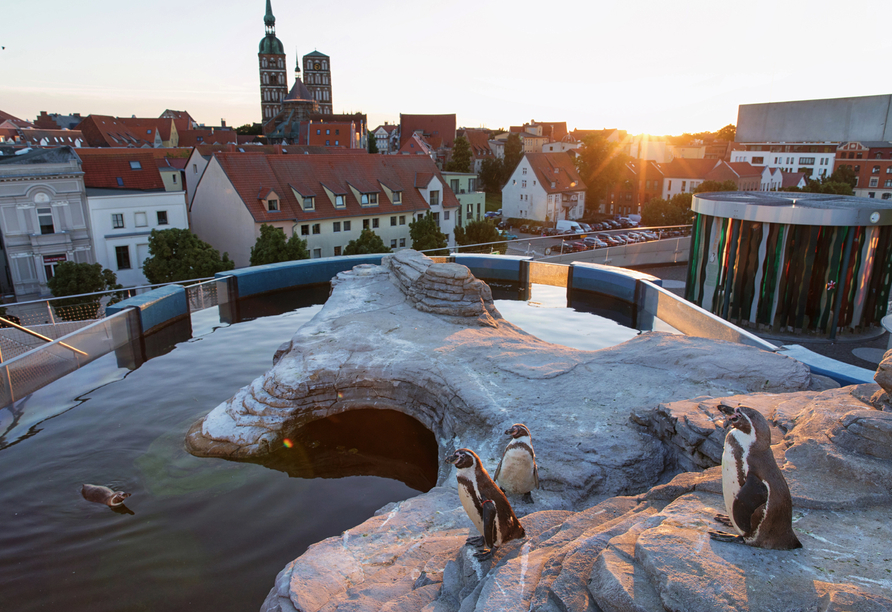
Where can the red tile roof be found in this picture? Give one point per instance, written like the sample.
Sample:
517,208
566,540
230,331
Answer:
107,131
55,137
792,179
307,174
688,168
479,141
556,130
103,167
14,119
146,128
191,138
557,168
438,130
745,169
415,145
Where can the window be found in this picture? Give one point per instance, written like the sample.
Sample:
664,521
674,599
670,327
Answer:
873,181
304,230
523,184
683,185
871,194
336,226
453,184
398,196
445,215
117,220
524,171
328,132
365,224
162,217
272,205
887,196
403,240
318,132
336,143
317,253
140,219
758,160
437,219
888,183
45,220
337,251
670,186
194,168
174,177
135,165
375,223
806,160
876,170
120,181
317,229
327,143
392,221
393,243
435,198
346,226
402,219
340,202
309,203
122,253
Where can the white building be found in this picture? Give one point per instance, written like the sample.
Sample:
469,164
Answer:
121,222
544,187
816,159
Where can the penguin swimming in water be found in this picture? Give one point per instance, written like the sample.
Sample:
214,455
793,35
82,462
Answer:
486,505
104,495
518,473
757,497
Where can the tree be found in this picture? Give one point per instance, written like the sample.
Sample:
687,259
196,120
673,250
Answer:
71,278
250,129
707,186
491,175
461,156
368,242
271,247
178,255
513,155
728,133
480,232
841,182
600,164
426,235
659,212
373,143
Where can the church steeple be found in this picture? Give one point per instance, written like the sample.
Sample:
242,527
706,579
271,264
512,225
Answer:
269,19
273,77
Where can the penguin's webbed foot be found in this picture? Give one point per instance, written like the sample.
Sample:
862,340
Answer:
721,536
484,555
528,497
723,519
476,542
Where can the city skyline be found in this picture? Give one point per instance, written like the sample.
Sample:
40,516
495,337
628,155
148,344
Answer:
652,67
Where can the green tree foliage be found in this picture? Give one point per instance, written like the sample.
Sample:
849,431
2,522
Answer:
178,255
373,143
480,232
71,278
492,175
659,212
600,164
250,129
707,186
426,235
271,247
461,156
513,155
368,242
727,133
841,182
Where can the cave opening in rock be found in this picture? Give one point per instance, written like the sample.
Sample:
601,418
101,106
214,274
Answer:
361,442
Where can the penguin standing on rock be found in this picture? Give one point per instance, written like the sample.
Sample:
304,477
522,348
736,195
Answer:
518,473
486,505
757,497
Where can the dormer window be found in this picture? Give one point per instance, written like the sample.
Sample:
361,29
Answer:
369,199
340,202
309,203
272,205
398,196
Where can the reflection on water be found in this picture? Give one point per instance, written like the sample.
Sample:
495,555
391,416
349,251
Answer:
366,442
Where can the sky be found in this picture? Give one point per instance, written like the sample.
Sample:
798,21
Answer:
658,67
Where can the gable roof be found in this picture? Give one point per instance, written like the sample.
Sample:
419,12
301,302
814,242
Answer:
438,130
103,167
745,169
14,119
108,131
144,127
681,168
191,138
557,168
415,145
55,137
313,174
479,141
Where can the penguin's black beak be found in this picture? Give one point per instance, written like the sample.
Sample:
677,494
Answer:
451,458
511,432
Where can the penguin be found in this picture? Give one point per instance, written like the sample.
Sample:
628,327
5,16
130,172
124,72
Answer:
518,473
486,505
104,495
757,498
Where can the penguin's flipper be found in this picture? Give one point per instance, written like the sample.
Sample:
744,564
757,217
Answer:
723,519
535,474
498,469
489,523
752,494
721,536
476,541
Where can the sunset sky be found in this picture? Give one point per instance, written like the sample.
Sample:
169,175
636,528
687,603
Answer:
660,67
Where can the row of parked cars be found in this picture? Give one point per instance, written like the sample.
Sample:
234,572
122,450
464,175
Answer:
603,241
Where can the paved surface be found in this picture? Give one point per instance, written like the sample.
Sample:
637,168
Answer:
864,350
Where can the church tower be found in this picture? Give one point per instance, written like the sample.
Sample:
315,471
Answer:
317,78
273,79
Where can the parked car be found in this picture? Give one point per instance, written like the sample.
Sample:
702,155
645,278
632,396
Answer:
594,243
552,231
610,239
502,225
491,215
574,246
524,229
508,236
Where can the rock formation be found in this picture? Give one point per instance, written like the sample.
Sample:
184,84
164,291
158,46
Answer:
609,425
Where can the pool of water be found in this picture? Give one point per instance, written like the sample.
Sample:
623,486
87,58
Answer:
202,534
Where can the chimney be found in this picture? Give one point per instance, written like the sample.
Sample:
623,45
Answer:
222,122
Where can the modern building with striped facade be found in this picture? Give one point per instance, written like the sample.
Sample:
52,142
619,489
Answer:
791,262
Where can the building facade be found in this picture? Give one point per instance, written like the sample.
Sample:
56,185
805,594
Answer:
317,78
472,203
43,217
871,161
273,75
815,159
544,187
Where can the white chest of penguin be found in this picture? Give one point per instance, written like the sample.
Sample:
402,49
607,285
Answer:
468,493
731,471
516,473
